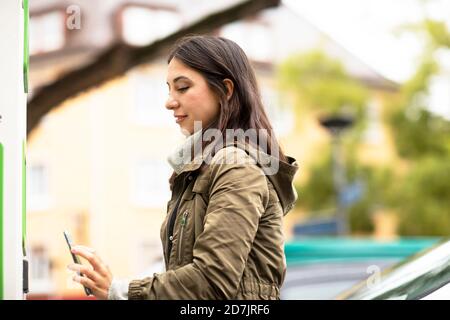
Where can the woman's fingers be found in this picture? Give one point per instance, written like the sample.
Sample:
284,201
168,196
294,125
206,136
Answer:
88,283
90,255
85,252
96,276
87,271
85,281
88,249
92,279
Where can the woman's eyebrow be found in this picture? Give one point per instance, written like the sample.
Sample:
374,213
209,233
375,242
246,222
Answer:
179,78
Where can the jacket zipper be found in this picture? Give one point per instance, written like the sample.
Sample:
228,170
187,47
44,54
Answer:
173,215
180,239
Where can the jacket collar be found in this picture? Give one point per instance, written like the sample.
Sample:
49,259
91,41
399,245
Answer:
181,158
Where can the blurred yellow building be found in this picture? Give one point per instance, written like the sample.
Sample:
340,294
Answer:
97,164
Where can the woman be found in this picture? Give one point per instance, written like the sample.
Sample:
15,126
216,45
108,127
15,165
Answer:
222,236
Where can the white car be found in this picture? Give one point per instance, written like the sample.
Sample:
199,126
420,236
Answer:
424,276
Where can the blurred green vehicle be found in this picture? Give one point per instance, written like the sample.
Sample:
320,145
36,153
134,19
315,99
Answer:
322,268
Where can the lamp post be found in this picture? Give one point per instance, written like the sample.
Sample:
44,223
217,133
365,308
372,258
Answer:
335,125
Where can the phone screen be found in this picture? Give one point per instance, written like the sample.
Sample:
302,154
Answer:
75,258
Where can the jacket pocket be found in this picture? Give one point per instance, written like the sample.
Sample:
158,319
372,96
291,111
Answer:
183,223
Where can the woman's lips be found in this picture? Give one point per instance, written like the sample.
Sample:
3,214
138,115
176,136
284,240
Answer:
180,118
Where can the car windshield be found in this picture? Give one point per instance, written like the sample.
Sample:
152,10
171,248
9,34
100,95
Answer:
412,279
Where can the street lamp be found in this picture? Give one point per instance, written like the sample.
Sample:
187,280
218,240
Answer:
335,125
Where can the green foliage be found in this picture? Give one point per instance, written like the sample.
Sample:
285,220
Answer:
418,132
323,87
423,198
438,32
360,216
321,83
378,193
419,82
421,195
318,193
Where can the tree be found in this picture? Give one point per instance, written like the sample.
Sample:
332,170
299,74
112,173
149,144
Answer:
421,194
321,83
417,131
322,87
423,141
423,199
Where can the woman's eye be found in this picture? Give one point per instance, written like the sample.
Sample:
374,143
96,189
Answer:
183,89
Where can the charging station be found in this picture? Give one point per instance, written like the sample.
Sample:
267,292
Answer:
13,91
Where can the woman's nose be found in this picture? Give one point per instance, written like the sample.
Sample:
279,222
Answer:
171,103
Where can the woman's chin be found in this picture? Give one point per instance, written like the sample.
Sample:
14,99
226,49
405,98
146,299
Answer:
185,132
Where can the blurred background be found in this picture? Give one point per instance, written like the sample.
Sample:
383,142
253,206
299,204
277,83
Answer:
357,91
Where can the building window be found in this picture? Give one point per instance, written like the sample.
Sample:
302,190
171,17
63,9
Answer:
149,98
141,25
37,187
47,32
373,132
280,115
254,37
150,183
40,271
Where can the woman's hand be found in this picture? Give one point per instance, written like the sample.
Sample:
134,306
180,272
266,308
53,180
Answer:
96,277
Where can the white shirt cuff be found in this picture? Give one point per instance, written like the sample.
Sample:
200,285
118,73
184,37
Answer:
118,289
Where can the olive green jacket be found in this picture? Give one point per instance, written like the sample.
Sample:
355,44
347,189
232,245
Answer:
227,239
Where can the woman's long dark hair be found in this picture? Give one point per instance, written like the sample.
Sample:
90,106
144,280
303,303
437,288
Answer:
216,59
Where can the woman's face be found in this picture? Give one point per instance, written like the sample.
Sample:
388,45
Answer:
190,98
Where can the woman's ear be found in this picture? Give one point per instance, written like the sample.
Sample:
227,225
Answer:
230,87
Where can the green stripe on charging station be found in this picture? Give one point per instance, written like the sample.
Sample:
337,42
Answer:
1,221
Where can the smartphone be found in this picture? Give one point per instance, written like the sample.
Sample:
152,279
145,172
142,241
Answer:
75,258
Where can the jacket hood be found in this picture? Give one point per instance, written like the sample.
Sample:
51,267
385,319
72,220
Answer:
283,183
280,173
